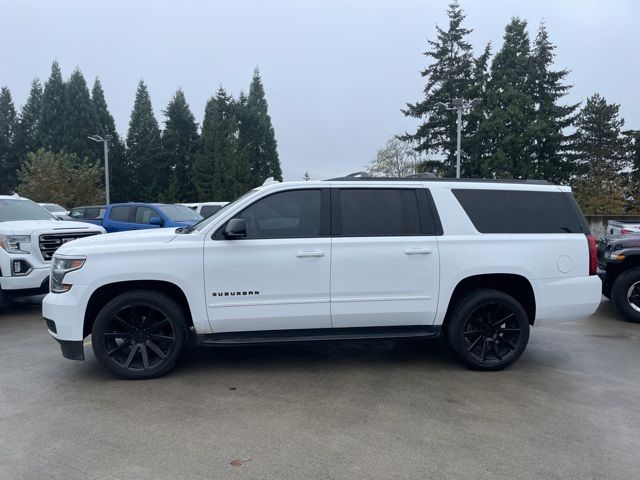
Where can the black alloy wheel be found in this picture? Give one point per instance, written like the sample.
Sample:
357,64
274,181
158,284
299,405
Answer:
139,334
488,329
492,333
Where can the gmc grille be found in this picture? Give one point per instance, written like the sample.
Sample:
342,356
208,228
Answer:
50,242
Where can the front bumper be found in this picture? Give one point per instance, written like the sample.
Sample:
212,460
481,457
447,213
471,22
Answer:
37,281
71,349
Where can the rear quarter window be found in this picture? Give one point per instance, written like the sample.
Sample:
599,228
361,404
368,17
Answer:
517,211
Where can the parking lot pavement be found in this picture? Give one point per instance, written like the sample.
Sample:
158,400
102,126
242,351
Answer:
570,408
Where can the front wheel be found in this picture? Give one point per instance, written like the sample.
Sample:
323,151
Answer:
488,329
139,334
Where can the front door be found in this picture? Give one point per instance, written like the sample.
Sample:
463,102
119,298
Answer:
277,277
384,261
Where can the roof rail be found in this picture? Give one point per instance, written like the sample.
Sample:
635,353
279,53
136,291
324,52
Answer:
428,178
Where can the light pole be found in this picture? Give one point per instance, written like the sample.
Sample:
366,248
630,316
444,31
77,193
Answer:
105,141
459,104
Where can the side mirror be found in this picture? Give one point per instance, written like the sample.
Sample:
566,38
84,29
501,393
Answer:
156,221
235,228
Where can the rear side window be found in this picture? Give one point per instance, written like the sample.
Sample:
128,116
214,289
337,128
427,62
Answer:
94,213
120,214
376,212
513,211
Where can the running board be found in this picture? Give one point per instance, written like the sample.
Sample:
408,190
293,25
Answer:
315,335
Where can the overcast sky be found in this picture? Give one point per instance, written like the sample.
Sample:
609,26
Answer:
336,73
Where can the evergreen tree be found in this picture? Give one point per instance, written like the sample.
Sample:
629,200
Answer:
551,143
143,147
257,138
449,76
80,119
27,132
506,131
179,146
633,140
8,157
51,126
219,172
119,175
601,153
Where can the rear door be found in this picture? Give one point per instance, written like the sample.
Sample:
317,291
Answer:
384,262
119,218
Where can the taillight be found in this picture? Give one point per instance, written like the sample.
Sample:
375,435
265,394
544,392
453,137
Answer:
593,256
624,231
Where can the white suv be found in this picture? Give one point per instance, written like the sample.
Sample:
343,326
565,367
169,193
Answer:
343,259
29,235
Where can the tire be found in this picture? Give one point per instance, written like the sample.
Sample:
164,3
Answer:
606,289
139,334
625,295
481,341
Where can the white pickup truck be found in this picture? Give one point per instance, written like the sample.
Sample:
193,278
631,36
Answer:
29,236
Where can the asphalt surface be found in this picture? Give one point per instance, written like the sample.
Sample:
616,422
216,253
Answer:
568,409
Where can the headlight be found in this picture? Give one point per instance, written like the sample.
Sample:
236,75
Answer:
15,243
59,268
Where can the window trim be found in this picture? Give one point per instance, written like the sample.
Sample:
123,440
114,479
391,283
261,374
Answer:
325,219
426,209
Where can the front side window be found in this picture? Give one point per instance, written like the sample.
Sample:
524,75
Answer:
374,212
143,214
292,214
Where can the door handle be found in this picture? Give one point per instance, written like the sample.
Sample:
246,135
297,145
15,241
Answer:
310,254
417,251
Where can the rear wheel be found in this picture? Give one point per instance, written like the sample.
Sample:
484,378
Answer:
488,329
139,334
625,295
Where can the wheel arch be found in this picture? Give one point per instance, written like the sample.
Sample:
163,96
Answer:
515,285
102,295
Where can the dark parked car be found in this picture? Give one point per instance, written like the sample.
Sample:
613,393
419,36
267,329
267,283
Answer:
619,270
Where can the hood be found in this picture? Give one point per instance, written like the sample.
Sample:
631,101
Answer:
27,227
115,240
618,242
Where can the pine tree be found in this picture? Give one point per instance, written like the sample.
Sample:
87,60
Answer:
219,171
80,119
551,143
119,175
633,140
449,76
179,146
601,153
143,147
506,130
257,137
8,155
51,126
27,132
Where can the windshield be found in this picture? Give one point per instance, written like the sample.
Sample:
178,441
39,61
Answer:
178,213
199,226
11,210
54,207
